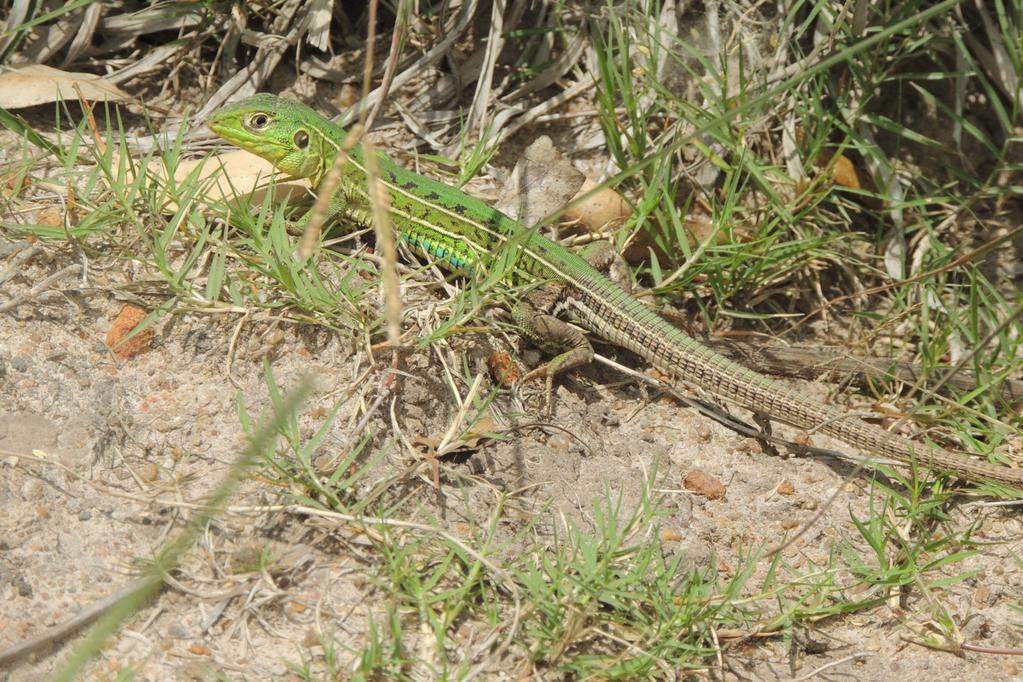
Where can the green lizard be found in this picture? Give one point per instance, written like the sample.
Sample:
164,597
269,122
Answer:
464,234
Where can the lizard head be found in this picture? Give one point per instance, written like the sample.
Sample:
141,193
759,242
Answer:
277,129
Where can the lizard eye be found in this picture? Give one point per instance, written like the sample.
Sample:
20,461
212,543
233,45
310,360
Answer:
301,139
259,121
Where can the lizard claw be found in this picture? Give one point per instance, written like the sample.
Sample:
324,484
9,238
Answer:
544,372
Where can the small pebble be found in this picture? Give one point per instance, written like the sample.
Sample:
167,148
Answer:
32,489
149,472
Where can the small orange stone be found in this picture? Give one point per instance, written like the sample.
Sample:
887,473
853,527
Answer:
51,216
704,484
129,318
803,438
149,472
751,446
844,173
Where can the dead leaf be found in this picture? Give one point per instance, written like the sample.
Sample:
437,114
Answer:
35,84
502,368
543,181
480,432
428,443
470,441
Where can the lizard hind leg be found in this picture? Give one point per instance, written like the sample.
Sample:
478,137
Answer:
552,335
535,314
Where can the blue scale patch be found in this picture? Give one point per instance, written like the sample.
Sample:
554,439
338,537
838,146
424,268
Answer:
438,251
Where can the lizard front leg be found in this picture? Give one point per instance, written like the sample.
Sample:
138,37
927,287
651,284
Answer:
337,208
603,256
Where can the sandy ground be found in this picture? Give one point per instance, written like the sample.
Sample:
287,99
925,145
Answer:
125,445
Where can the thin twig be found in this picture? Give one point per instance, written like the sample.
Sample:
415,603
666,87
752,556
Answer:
41,287
85,617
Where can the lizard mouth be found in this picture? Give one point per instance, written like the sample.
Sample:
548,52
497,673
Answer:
216,125
230,129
